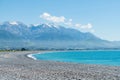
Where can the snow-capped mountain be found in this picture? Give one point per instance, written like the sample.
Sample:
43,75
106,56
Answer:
47,36
16,28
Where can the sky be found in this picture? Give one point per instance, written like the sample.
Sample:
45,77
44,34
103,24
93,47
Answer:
101,17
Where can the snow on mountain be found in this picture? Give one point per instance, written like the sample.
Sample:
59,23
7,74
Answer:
13,23
49,36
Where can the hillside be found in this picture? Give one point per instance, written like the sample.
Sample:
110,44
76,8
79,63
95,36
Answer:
46,36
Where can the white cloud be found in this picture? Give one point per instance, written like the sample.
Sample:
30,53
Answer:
85,28
68,22
92,31
78,25
88,26
51,18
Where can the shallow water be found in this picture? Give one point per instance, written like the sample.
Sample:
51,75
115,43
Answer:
87,57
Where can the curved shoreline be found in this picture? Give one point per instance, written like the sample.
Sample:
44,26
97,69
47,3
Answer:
17,66
31,56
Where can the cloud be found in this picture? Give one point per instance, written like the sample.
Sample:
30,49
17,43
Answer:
78,25
85,28
51,18
92,31
67,22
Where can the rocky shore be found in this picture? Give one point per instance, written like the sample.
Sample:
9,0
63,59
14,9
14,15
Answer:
17,66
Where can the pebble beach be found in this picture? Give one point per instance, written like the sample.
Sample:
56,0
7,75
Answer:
17,66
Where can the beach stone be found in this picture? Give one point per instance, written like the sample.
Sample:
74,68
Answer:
17,66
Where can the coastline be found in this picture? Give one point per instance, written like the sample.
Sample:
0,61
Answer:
31,56
17,66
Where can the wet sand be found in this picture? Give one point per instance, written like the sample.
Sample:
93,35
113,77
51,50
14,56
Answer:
17,66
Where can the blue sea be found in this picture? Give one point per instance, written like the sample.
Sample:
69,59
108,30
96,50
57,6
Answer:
86,57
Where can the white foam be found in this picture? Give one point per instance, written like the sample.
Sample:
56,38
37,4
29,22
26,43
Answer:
31,56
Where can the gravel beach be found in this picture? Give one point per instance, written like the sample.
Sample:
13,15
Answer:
17,66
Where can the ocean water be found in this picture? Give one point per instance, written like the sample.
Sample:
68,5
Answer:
86,57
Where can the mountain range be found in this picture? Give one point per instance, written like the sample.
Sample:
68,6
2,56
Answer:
14,35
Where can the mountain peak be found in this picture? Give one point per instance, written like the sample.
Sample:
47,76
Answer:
49,35
45,25
13,23
50,25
